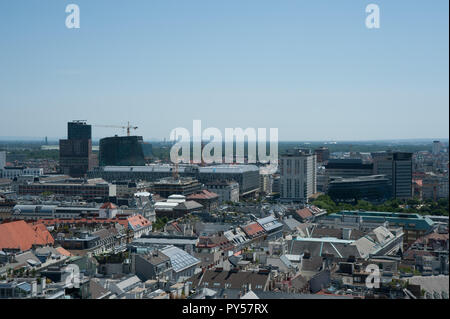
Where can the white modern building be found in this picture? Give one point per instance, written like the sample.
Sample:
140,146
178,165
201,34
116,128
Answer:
298,175
13,172
437,147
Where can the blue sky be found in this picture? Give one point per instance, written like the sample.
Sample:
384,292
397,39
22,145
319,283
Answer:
310,68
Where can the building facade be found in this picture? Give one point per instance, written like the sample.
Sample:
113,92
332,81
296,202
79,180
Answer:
75,153
397,166
121,151
227,191
298,175
374,188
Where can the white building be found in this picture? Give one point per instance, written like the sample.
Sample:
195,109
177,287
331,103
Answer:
298,175
2,159
436,149
12,172
227,191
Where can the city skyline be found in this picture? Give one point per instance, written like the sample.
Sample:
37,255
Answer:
313,70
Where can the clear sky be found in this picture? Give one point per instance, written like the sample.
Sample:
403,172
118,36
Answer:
310,68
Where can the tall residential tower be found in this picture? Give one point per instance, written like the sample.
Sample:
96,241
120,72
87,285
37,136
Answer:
298,175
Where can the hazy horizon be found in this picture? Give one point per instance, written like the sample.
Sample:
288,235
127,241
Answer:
96,139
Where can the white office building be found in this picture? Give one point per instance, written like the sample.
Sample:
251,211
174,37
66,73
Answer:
298,175
13,172
437,147
2,159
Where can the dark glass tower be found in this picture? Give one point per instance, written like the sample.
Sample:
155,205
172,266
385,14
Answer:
75,153
79,130
122,151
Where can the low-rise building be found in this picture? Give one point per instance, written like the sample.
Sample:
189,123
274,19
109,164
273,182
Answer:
220,279
87,189
228,191
207,199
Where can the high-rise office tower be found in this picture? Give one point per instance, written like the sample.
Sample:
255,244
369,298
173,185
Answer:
397,166
436,149
122,151
298,175
75,153
322,154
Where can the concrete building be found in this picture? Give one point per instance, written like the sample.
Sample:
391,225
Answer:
182,186
434,186
12,172
127,189
298,175
2,159
87,189
266,182
154,265
436,148
276,184
228,191
414,225
209,200
246,175
323,154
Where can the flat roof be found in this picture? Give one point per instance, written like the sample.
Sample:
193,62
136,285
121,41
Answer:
325,240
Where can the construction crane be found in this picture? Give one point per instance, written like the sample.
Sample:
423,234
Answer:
128,127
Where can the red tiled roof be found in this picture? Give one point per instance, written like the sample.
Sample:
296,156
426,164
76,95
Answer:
253,229
108,206
175,224
437,236
214,241
138,221
23,236
304,213
204,194
63,252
